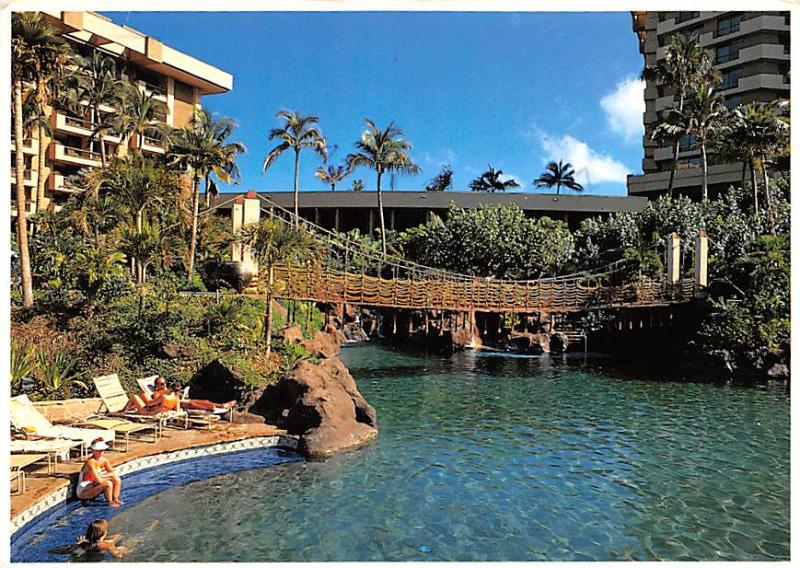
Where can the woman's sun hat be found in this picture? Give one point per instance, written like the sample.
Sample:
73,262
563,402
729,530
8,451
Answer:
98,446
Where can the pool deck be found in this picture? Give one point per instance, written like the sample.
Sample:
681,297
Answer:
40,485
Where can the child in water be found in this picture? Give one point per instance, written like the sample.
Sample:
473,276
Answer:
97,541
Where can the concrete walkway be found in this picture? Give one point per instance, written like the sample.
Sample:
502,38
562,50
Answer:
39,485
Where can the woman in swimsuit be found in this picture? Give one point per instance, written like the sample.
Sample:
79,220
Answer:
97,476
161,400
98,541
162,397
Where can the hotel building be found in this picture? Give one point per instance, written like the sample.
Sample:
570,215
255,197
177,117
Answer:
751,52
175,78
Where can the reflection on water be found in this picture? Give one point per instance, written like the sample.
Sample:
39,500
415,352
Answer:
492,458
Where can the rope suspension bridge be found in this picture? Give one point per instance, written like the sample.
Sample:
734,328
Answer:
350,272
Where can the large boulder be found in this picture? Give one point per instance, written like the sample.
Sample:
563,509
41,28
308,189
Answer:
465,339
220,275
219,382
320,403
323,345
529,343
178,351
291,334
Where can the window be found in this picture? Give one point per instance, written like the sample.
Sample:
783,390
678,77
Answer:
730,79
694,162
686,16
693,31
728,52
728,25
687,143
733,102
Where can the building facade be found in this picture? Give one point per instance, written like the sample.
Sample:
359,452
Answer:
176,79
751,52
346,210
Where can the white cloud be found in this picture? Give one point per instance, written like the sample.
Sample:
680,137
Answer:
446,157
591,167
624,108
507,177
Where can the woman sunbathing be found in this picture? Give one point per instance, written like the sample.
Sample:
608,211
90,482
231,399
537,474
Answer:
160,400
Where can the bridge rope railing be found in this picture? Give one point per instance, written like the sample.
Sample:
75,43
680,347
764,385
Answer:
388,281
400,266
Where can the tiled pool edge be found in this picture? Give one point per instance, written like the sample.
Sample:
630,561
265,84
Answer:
146,462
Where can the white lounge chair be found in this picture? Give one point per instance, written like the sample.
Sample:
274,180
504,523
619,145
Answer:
202,417
115,399
26,418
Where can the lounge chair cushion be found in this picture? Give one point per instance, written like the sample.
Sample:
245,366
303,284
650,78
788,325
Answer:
25,416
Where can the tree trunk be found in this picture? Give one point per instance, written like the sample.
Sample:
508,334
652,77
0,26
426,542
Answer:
705,172
558,189
195,215
296,187
767,196
22,223
40,177
333,187
754,183
268,314
675,149
380,214
208,197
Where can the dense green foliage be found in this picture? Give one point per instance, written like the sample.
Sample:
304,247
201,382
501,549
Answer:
491,241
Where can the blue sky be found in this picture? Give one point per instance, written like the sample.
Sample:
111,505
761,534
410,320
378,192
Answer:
513,90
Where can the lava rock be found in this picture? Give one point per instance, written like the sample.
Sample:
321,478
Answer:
177,351
320,403
218,275
529,343
218,382
291,334
779,371
322,345
465,339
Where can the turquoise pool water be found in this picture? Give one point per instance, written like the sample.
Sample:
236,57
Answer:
495,458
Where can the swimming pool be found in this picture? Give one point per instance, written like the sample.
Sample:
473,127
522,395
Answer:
482,457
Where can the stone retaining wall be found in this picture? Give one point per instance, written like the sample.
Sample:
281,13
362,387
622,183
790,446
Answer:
70,409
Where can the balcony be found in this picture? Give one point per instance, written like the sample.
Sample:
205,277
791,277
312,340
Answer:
28,179
153,145
746,27
29,145
772,51
157,91
59,183
74,156
78,126
771,81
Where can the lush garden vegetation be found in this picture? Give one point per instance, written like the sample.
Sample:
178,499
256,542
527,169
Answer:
98,283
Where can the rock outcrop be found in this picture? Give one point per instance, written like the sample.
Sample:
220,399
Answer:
320,403
465,339
218,382
529,343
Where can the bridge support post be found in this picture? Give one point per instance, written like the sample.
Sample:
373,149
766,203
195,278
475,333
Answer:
673,258
700,264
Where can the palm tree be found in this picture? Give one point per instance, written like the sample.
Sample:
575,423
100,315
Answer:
706,115
558,174
202,148
36,51
684,65
298,133
35,116
332,174
358,185
733,146
383,151
272,241
492,180
139,115
98,86
767,137
141,186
